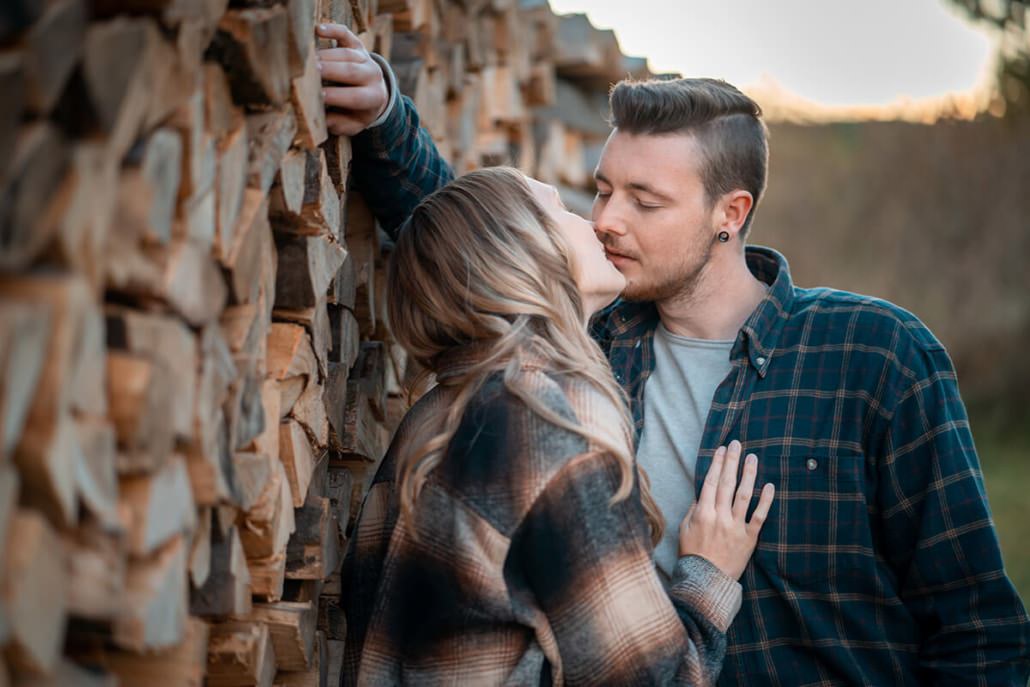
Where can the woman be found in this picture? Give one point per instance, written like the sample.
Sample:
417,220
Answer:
506,538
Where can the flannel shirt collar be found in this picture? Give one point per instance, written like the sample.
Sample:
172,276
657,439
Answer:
761,332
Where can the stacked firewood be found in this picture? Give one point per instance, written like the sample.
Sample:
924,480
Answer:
196,379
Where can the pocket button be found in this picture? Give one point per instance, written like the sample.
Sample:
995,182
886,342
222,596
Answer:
812,464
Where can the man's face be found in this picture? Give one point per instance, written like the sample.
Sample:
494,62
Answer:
652,214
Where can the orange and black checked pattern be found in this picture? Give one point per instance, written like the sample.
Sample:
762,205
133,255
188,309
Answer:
515,568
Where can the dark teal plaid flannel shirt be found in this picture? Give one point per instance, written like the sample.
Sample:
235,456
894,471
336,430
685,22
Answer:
879,564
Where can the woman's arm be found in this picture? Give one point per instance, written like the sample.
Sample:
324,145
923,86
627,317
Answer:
587,564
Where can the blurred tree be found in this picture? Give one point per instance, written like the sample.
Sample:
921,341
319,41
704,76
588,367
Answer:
1012,18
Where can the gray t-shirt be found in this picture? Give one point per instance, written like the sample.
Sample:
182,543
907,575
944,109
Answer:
677,398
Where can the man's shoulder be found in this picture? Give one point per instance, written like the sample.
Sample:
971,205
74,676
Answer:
828,317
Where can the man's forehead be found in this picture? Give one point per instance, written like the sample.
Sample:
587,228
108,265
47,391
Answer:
629,159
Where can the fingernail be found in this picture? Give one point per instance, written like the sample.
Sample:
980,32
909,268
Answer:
734,444
751,459
322,27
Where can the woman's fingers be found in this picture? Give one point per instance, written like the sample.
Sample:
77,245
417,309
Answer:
728,479
343,36
761,510
711,483
747,487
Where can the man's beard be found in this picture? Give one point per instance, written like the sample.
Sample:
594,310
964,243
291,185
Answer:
680,283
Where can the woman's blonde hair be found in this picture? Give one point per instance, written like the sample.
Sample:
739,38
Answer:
480,264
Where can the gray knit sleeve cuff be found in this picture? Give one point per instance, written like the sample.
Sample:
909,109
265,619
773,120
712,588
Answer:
707,590
391,87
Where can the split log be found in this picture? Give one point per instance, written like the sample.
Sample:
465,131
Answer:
316,321
97,470
240,654
9,484
306,95
253,472
227,589
154,611
270,135
97,567
66,673
268,441
290,354
12,84
251,255
310,412
307,265
182,274
200,549
232,180
317,675
302,32
149,186
121,59
36,168
222,116
180,666
296,455
292,626
369,374
267,576
24,334
140,408
266,528
362,436
338,157
199,154
305,201
245,411
157,507
86,205
34,593
313,550
171,344
346,335
252,45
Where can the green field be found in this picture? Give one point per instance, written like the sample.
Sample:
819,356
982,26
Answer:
1006,465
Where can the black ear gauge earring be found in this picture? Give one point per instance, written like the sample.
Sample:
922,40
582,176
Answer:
724,236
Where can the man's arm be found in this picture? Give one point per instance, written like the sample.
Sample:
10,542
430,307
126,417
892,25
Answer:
940,538
395,164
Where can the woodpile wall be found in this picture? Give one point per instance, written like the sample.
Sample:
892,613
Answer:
196,380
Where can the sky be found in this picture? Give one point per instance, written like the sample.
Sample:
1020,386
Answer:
831,52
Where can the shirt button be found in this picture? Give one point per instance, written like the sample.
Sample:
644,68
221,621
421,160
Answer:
812,464
760,361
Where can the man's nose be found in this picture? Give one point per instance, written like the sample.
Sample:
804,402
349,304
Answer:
607,220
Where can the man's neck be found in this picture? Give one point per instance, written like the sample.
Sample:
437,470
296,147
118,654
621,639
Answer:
722,301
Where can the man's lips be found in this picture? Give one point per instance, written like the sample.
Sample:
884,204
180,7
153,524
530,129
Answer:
616,257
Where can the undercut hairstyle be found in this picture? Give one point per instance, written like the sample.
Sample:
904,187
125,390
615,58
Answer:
726,124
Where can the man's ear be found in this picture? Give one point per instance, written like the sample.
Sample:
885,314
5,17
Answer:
732,210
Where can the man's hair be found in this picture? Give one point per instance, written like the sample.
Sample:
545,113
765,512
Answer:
726,124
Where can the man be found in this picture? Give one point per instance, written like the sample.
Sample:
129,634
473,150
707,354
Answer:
879,564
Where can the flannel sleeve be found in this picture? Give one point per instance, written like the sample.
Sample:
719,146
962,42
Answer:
939,536
587,565
395,163
362,569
